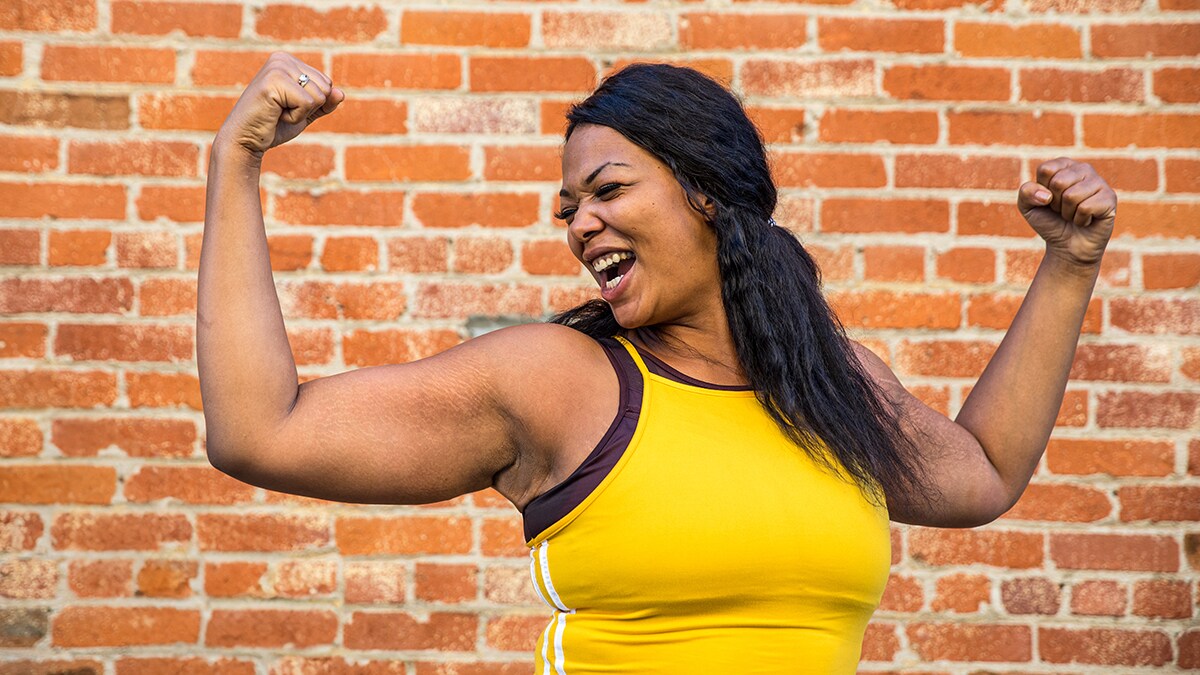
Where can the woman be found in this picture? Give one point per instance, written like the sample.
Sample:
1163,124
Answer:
706,465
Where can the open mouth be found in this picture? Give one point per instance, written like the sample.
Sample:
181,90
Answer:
613,267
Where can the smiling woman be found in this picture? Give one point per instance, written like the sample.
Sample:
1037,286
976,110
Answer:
705,463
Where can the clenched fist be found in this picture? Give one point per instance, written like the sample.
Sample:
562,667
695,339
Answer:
1072,208
281,101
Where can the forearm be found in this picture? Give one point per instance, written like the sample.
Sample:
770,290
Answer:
1013,407
248,378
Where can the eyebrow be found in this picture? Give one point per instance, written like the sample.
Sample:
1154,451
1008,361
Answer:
592,176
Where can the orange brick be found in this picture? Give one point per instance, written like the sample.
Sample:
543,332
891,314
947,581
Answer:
166,578
108,64
64,110
1030,596
953,171
346,254
11,58
135,342
835,78
159,390
894,263
237,68
888,309
186,484
382,347
20,247
1084,6
515,633
1162,599
71,294
184,666
778,125
1104,646
1146,39
1055,84
1127,552
926,5
1159,503
962,593
51,484
299,161
418,254
183,111
379,300
56,389
95,531
403,535
106,578
95,626
984,127
398,71
1145,130
1177,85
1061,503
233,579
1014,550
311,345
522,162
1054,41
167,297
178,204
30,154
1099,598
828,170
340,24
341,207
992,218
1121,363
455,299
1112,457
465,29
967,265
524,73
48,15
719,69
290,251
79,247
879,35
607,30
440,210
305,578
445,583
375,581
902,594
19,437
86,437
482,255
147,250
61,200
408,163
1121,173
1170,270
192,19
945,82
1159,219
548,257
845,125
708,30
261,532
877,215
440,631
943,358
270,628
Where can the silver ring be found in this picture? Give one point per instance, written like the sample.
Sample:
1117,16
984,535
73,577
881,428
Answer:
303,79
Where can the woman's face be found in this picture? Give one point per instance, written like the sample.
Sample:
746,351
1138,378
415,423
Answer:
620,201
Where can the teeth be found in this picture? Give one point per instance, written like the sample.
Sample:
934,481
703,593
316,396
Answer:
614,281
607,261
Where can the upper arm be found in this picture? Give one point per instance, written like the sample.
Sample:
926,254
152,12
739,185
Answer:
968,491
411,433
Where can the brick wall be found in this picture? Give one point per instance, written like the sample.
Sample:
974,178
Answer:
899,134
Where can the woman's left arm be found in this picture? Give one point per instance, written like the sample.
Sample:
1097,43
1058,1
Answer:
983,466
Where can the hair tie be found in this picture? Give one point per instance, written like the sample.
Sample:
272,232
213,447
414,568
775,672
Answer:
772,223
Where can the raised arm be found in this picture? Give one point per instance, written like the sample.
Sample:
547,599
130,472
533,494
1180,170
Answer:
983,460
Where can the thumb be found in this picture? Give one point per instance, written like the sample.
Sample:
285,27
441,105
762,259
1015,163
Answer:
335,98
1032,195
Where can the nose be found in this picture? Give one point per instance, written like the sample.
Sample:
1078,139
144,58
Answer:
584,225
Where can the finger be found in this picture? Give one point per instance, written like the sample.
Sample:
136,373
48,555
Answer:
1064,179
316,79
1076,195
1047,169
331,103
1032,195
1096,207
297,103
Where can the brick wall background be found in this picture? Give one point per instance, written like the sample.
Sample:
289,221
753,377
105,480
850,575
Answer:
900,131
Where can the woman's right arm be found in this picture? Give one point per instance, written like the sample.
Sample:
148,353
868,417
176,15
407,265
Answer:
478,415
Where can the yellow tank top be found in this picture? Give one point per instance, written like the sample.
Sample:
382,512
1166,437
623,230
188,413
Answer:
712,545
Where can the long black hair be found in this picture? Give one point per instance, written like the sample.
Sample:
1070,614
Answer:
790,344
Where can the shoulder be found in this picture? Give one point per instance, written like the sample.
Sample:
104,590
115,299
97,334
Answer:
873,365
537,348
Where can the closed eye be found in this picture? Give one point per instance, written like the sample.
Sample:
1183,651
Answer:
601,192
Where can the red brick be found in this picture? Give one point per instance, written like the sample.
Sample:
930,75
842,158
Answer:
1189,649
19,530
372,348
20,247
183,111
294,23
1104,646
888,309
945,82
96,626
22,340
894,263
1145,39
108,64
306,578
1101,86
403,535
902,594
234,579
454,299
186,484
983,127
418,254
105,578
28,579
347,254
921,5
1031,40
79,247
237,68
828,170
1159,503
879,215
261,532
1062,503
382,300
1099,598
1122,363
177,665
962,593
56,389
475,115
93,531
1176,220
1191,367
20,437
846,125
725,30
496,209
943,358
167,297
465,29
445,582
717,68
299,161
482,255
1183,175
311,346
441,631
336,665
1016,550
138,342
548,257
147,250
11,58
48,15
270,628
1177,85
503,537
1131,552
133,157
880,642
380,582
290,251
408,163
1121,173
1033,595
515,633
607,30
1000,219
178,204
521,163
955,171
53,484
341,207
509,586
194,19
166,578
398,71
1170,270
877,35
533,74
1168,130
1148,410
29,154
971,642
967,265
778,125
841,78
1156,316
58,200
156,390
1162,599
64,110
